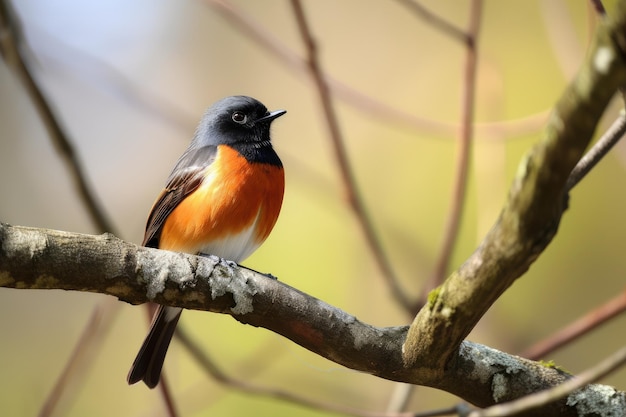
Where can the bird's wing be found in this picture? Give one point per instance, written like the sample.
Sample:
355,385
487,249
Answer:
184,179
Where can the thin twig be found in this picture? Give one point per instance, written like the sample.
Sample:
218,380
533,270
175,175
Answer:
249,27
542,398
13,49
400,396
104,76
464,149
580,327
347,176
598,151
166,394
598,7
436,21
86,348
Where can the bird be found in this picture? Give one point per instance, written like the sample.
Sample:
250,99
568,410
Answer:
222,198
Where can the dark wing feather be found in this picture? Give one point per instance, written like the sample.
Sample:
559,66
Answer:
186,176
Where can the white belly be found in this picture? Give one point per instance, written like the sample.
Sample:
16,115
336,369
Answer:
236,247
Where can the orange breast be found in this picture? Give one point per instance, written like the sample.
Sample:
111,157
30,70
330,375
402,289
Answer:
237,204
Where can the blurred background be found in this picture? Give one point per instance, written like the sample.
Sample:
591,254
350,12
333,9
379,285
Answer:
130,80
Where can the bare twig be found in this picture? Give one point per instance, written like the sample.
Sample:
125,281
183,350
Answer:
93,335
598,151
578,328
347,176
542,398
598,7
166,394
615,306
464,149
436,21
400,396
102,75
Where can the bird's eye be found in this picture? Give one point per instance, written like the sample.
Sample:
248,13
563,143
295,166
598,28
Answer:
239,117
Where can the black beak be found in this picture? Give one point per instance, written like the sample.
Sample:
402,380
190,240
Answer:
270,116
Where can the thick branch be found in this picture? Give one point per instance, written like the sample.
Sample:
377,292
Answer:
43,259
533,211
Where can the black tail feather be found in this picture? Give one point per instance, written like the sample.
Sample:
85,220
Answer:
149,361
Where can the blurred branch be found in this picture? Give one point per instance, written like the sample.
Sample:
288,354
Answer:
347,176
436,21
95,332
464,150
14,52
530,218
44,259
578,328
166,394
598,7
562,36
99,73
249,27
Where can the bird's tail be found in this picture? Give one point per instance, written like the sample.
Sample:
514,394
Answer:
149,361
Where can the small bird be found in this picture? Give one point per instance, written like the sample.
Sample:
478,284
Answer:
222,198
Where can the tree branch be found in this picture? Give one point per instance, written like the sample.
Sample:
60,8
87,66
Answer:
436,21
45,259
530,218
534,401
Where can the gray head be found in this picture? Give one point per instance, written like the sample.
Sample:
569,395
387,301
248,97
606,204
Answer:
236,120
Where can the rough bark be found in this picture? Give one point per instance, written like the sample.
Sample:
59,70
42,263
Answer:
46,259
